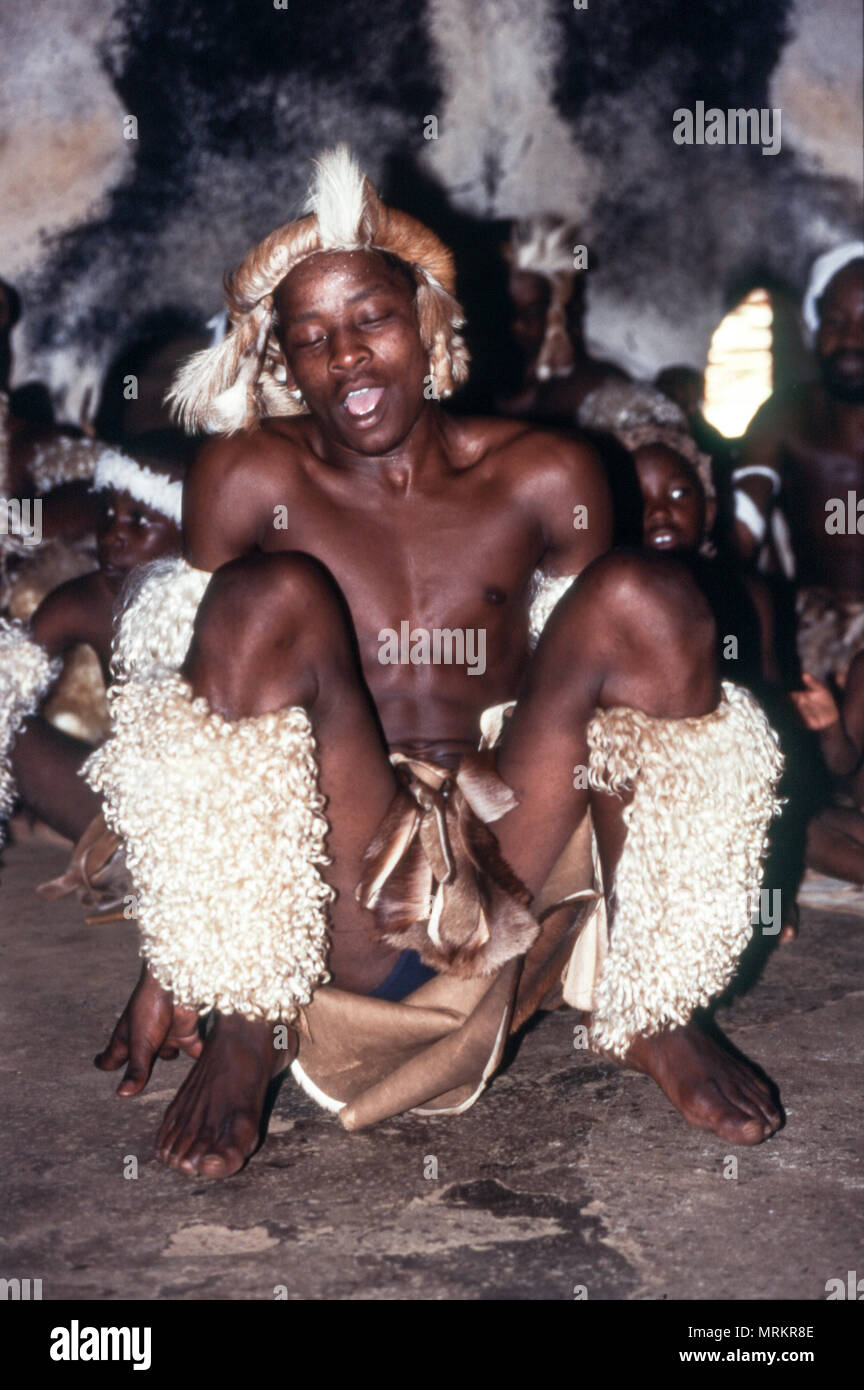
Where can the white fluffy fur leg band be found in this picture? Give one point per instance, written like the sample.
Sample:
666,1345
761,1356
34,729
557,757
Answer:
26,673
703,800
155,625
224,834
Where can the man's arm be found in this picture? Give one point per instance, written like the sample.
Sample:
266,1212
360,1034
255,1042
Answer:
763,603
757,478
61,621
227,502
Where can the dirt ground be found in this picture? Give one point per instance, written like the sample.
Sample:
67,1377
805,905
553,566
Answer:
568,1174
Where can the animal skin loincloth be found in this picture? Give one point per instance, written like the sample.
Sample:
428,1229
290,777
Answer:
437,884
830,631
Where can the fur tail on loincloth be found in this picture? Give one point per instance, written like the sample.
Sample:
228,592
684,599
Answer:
433,874
685,886
224,833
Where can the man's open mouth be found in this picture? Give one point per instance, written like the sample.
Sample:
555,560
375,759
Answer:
364,401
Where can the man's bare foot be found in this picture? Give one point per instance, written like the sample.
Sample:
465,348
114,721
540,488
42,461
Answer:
151,1025
213,1123
712,1088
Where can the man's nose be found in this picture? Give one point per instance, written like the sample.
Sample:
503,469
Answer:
347,348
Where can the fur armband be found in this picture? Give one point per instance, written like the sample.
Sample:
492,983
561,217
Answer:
154,627
224,831
759,470
26,673
546,590
685,886
750,516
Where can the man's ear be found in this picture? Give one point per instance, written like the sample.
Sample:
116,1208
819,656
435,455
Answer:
282,372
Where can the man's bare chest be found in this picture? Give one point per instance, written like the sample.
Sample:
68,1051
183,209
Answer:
426,554
814,473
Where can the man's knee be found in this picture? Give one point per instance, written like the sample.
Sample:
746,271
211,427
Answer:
264,624
642,625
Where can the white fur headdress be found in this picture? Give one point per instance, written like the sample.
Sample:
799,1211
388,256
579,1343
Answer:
637,415
544,246
124,474
235,384
822,272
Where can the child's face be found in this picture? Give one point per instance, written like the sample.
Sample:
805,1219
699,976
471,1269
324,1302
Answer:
131,534
673,499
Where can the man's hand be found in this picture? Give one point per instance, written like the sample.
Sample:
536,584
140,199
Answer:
815,704
151,1025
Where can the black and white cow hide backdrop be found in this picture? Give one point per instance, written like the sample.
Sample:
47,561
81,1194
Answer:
539,105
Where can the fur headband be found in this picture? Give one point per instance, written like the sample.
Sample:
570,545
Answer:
242,380
118,471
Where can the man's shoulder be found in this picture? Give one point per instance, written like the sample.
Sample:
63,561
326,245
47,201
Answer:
785,411
531,451
250,452
250,468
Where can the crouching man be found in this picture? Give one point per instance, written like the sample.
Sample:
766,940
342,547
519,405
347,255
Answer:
375,869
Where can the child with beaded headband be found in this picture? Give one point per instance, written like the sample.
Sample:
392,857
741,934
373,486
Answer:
45,734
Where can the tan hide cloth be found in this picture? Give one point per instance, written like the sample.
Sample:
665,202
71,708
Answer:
434,1051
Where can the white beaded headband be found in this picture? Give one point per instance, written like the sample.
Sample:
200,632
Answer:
122,473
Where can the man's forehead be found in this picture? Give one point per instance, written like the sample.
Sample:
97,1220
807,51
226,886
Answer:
349,274
847,282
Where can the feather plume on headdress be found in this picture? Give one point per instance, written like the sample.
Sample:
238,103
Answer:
242,380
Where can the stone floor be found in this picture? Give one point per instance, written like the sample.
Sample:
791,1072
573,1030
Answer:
567,1174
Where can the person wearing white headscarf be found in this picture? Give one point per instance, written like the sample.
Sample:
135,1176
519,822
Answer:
802,454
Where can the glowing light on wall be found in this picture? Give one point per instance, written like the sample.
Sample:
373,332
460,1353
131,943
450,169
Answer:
740,371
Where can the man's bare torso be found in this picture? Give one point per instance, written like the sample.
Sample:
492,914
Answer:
818,450
451,547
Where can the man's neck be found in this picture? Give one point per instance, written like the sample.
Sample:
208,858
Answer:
846,417
422,453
